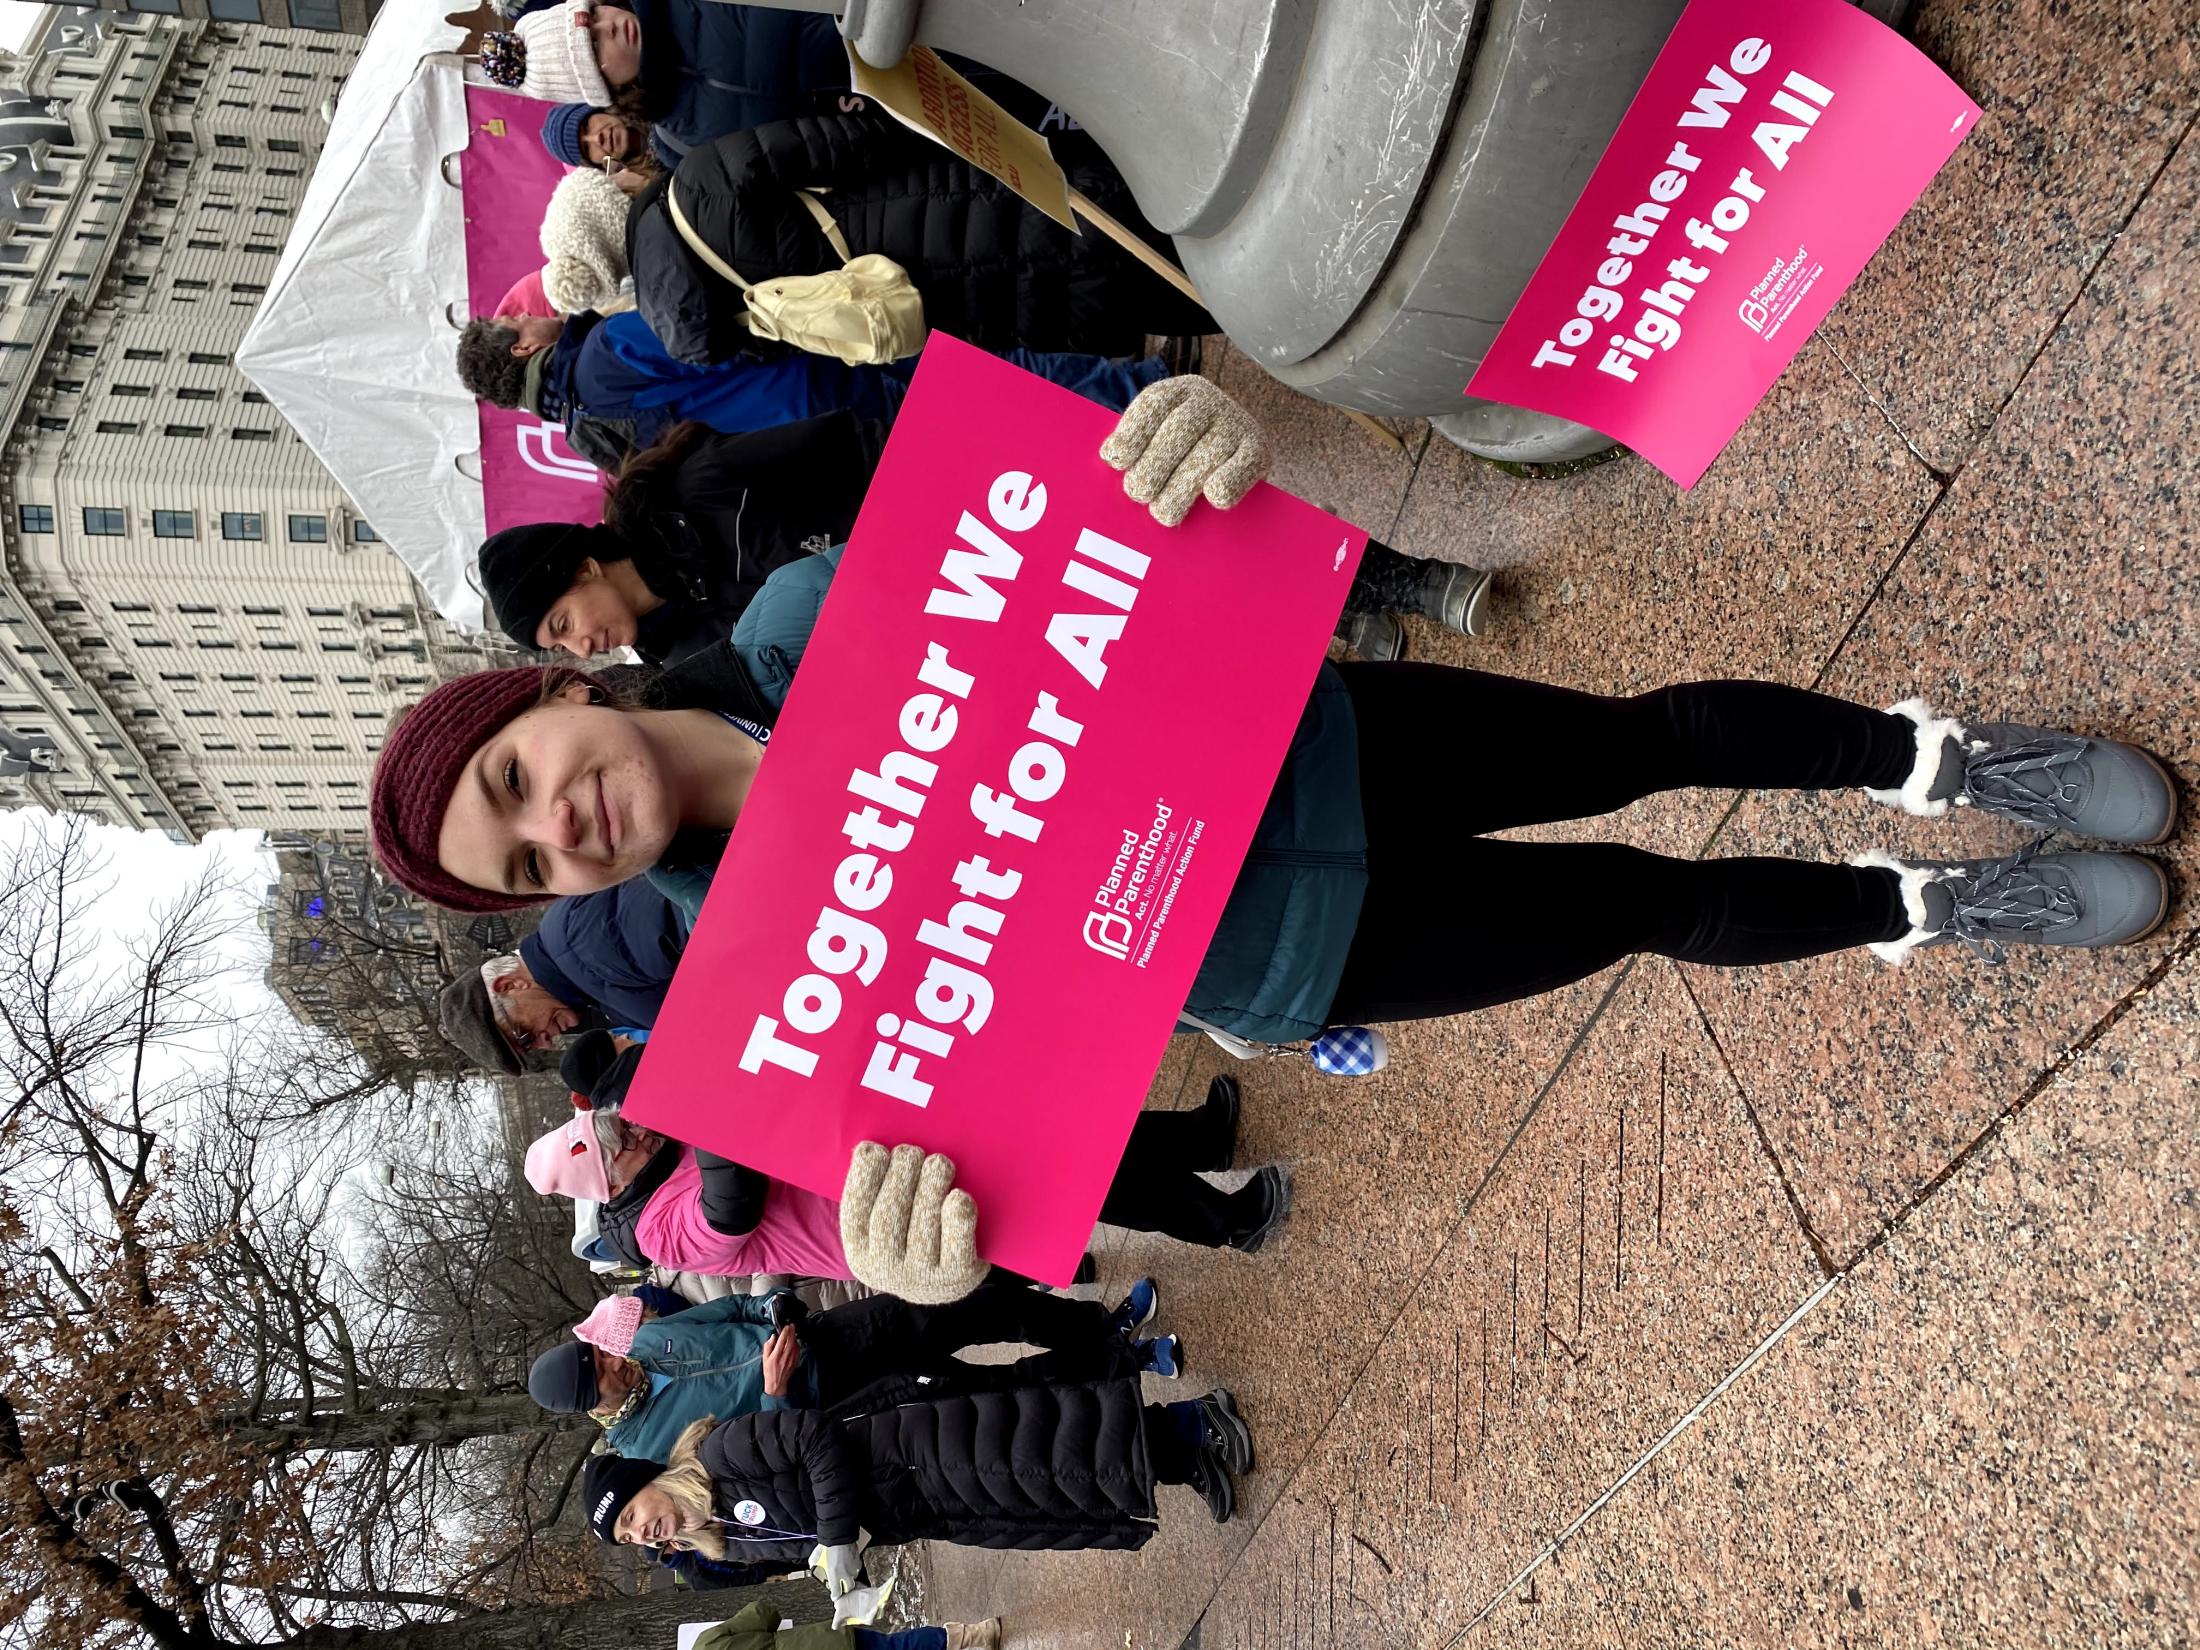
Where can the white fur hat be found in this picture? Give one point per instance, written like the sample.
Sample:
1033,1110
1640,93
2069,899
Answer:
561,56
584,243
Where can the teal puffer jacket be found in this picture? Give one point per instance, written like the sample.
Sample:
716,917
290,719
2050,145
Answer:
1272,969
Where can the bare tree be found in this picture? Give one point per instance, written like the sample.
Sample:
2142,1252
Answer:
205,1438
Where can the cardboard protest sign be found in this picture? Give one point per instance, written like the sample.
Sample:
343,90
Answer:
528,473
1771,150
999,815
925,94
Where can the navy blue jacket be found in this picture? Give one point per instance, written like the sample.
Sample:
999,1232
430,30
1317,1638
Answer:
729,67
616,949
618,371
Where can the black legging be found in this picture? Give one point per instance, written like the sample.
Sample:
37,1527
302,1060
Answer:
1454,921
1157,1187
884,1337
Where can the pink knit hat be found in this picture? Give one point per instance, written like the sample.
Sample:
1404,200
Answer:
524,297
421,761
568,1162
612,1324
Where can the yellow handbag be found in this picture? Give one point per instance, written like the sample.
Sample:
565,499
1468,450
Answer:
866,313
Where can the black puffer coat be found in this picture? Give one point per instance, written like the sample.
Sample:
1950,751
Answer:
1050,1468
992,269
712,522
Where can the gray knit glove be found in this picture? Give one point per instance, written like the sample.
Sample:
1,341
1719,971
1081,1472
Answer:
904,1228
1183,437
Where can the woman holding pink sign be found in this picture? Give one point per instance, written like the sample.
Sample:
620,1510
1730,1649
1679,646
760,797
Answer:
1368,893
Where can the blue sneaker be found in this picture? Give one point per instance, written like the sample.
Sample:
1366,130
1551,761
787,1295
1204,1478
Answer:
1163,1356
1138,1308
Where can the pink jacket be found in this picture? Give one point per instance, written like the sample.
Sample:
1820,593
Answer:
800,1232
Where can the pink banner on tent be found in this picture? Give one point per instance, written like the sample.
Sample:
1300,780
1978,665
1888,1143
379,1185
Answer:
1769,153
528,473
999,815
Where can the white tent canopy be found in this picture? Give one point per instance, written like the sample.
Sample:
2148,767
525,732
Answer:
354,341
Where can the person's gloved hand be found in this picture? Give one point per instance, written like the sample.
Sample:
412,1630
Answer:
1183,437
843,1567
905,1229
861,1606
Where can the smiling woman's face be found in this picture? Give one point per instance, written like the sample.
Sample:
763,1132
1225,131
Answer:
617,36
649,1520
566,799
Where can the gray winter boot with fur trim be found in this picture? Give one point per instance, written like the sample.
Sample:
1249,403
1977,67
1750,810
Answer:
2050,781
2026,898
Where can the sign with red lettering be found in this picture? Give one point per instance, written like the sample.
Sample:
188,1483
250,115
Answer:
999,815
1769,153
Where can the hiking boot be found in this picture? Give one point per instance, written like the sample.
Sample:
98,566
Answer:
1272,1190
1227,1434
2087,900
1212,1479
1225,1106
1453,596
1163,1356
2050,781
1138,1308
973,1635
1378,638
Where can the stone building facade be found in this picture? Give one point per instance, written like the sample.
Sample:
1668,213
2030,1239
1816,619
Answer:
196,631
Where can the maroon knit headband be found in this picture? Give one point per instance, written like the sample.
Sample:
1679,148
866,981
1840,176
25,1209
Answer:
419,770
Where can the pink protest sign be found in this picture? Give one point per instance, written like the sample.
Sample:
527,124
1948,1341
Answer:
1771,150
999,814
528,473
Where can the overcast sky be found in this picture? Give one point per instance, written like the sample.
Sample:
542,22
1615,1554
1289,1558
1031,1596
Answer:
16,22
144,868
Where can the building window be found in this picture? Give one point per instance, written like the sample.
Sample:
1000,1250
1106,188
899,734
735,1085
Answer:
284,146
193,286
126,133
236,526
309,529
199,358
196,393
361,533
137,390
53,426
248,289
117,426
35,518
252,435
145,355
200,244
228,140
186,432
166,8
102,523
175,524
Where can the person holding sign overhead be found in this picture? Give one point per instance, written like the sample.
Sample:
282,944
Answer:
1368,894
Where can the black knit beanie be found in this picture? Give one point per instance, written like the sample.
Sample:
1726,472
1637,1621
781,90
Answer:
563,1379
610,1482
524,570
588,1060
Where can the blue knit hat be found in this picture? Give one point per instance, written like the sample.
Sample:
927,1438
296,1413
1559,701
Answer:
561,132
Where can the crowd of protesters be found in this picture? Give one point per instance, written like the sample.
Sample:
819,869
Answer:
717,146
